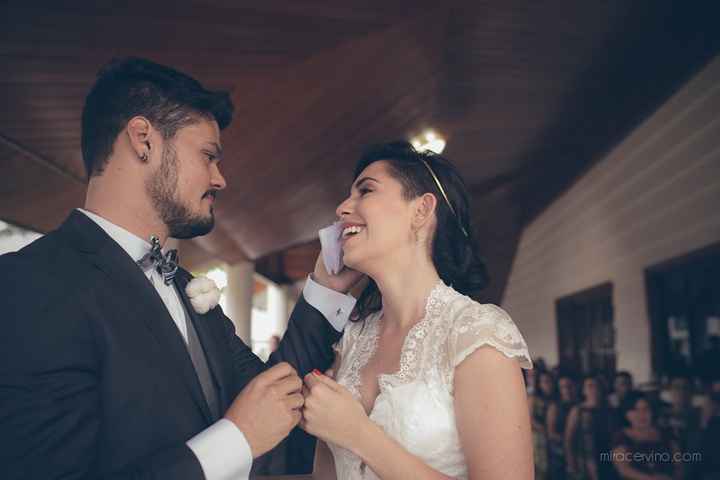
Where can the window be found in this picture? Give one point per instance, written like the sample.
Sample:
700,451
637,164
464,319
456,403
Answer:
586,332
684,306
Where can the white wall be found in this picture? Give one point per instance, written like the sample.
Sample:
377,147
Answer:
655,196
14,238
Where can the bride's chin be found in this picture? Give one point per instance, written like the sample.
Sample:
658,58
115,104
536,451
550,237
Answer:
351,262
348,262
363,265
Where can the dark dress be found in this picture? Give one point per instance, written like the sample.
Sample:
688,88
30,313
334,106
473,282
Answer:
540,441
556,448
648,457
709,465
684,426
592,437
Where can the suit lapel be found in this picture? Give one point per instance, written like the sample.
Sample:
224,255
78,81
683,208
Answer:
210,343
129,280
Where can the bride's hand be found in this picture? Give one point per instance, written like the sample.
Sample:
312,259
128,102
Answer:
342,282
330,412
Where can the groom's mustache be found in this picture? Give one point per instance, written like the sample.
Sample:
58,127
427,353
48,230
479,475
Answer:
211,193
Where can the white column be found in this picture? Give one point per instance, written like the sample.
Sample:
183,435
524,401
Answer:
277,308
239,297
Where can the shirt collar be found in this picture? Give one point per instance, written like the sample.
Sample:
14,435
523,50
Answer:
133,245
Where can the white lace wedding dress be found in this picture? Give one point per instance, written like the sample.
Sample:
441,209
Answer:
415,404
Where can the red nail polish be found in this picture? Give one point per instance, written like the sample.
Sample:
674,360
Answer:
317,372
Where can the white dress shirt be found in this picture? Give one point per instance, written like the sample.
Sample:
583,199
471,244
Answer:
221,449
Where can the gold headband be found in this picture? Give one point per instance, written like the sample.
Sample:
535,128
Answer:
447,200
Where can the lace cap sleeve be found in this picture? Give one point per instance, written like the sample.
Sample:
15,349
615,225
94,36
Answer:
486,324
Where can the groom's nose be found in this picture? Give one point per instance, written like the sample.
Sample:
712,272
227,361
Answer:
217,180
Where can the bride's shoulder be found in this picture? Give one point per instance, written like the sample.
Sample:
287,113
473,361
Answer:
473,324
462,309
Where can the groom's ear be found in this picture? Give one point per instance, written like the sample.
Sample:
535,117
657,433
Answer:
139,131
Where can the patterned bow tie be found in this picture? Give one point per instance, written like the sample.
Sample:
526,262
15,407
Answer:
166,264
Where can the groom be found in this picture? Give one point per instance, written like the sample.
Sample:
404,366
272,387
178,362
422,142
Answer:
106,370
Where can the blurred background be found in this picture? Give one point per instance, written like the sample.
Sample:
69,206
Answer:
587,132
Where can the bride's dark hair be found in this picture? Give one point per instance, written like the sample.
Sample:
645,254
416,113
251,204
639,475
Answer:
454,248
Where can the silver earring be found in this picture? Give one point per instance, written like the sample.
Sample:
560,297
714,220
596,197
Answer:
144,157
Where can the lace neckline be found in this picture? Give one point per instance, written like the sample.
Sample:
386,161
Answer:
408,352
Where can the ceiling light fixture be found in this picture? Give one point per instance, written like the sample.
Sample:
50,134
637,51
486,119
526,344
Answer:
429,141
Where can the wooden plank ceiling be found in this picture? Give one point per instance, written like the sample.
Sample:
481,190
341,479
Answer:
528,94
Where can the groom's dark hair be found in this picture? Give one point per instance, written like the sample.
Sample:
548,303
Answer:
128,87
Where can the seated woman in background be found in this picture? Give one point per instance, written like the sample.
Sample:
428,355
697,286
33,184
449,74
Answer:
641,450
427,381
588,434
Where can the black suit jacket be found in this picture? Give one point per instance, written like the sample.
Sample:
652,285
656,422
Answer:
95,378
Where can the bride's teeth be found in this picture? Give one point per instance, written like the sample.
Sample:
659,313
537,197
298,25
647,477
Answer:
352,229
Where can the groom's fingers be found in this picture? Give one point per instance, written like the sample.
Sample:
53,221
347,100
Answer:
295,401
288,385
296,417
281,370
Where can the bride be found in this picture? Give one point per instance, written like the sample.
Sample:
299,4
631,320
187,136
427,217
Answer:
427,382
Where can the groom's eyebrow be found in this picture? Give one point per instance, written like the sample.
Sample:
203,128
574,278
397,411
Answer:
217,150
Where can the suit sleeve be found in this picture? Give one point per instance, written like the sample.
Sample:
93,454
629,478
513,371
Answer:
50,411
307,344
308,341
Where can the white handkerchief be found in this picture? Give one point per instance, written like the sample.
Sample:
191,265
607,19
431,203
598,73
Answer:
331,247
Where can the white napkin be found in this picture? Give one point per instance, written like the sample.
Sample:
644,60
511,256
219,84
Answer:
331,247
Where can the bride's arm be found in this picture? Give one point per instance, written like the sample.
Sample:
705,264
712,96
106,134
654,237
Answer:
492,416
333,415
492,419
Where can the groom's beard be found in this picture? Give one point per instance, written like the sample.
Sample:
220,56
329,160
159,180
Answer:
162,189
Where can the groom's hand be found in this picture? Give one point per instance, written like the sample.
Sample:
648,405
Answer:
342,282
268,407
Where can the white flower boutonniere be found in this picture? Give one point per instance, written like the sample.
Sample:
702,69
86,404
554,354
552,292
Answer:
203,293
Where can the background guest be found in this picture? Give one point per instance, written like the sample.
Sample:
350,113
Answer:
681,418
641,450
622,385
556,421
588,434
708,468
540,401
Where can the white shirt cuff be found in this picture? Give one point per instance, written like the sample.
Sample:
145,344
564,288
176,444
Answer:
223,451
335,306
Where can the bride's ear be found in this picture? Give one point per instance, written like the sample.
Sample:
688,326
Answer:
424,208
